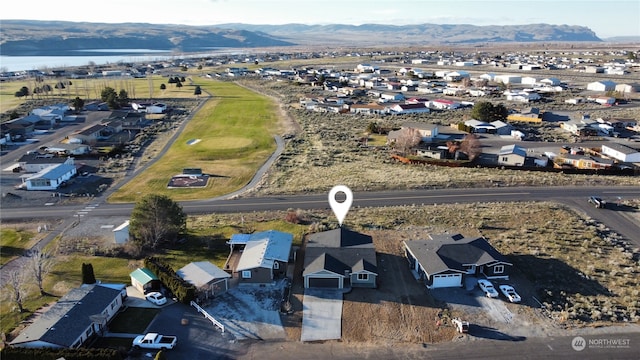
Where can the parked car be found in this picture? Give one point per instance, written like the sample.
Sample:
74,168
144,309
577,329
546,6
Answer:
156,298
597,202
510,293
487,287
155,341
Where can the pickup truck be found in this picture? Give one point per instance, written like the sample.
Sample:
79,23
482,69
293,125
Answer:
154,341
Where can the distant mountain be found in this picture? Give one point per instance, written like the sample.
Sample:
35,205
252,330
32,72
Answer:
54,38
30,37
370,34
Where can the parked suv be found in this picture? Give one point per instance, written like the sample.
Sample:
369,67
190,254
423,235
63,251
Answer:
597,202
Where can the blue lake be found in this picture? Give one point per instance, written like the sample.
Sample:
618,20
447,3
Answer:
18,63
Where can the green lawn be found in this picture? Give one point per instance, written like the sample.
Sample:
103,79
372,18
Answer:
235,131
133,320
13,242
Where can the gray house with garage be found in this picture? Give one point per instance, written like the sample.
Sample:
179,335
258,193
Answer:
340,259
446,260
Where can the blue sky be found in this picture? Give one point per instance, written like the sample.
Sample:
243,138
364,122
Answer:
606,18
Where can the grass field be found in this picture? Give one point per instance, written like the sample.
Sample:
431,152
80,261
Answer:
235,131
13,242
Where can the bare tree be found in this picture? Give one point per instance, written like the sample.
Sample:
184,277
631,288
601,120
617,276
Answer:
407,139
18,286
41,263
471,146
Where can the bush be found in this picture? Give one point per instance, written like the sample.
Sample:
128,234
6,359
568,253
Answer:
182,290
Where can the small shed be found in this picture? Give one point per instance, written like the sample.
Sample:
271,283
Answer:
121,233
145,280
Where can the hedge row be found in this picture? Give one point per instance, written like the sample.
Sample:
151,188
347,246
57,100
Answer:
17,353
184,291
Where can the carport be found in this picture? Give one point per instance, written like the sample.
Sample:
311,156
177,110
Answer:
321,315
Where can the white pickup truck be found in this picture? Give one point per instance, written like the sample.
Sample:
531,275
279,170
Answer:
154,341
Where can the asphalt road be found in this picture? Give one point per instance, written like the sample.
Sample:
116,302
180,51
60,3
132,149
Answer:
573,196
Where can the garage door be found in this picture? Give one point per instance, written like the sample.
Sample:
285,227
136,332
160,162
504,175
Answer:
324,283
447,280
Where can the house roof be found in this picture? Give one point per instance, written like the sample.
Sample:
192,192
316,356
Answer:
53,172
263,248
453,252
91,130
143,275
201,273
339,250
621,148
513,149
70,317
36,158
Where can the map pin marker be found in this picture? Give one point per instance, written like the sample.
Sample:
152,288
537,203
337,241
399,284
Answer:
340,209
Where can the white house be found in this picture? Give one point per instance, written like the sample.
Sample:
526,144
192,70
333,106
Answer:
444,104
621,152
604,85
417,108
528,80
508,79
551,81
50,178
522,96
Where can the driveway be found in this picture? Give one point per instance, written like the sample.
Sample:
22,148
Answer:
321,315
250,311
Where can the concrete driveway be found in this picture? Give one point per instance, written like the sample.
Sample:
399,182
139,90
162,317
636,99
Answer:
321,315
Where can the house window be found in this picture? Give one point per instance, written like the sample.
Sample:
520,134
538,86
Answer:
498,269
246,274
276,265
363,277
505,159
89,331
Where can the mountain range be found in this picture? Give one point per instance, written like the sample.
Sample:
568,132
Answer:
55,38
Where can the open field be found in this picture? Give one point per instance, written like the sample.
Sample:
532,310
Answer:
137,88
235,136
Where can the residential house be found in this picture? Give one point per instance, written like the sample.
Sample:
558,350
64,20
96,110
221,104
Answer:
531,114
145,281
512,155
260,257
551,81
507,79
453,91
583,161
428,132
391,96
78,316
621,152
628,88
444,104
340,259
92,134
480,127
439,152
50,178
34,162
368,109
208,279
501,127
603,85
63,149
96,106
583,127
446,260
417,108
522,96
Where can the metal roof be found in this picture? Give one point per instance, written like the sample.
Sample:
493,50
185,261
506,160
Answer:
263,248
201,273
